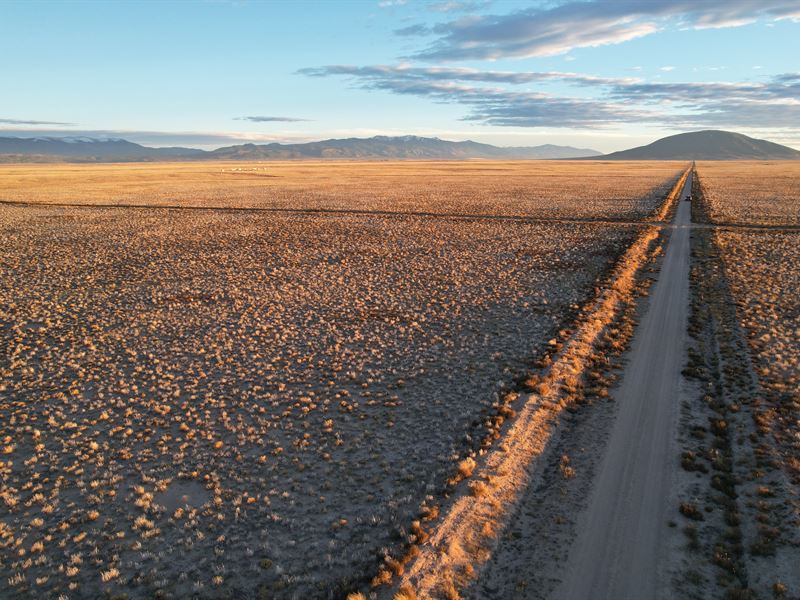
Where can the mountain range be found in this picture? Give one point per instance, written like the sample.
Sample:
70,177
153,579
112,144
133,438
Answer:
402,147
700,145
81,149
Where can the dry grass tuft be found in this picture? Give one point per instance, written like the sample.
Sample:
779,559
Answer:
384,577
406,592
478,488
466,467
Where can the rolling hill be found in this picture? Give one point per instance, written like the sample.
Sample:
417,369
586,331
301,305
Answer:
708,145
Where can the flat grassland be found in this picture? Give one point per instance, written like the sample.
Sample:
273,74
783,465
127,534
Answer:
750,192
763,271
592,190
761,279
219,403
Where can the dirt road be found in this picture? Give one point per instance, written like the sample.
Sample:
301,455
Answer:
617,552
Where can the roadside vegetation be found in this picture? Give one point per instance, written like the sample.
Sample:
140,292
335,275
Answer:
739,508
750,192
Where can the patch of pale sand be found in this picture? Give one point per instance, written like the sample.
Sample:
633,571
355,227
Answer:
182,494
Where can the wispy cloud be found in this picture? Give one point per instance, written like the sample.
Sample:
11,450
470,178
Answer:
581,24
458,6
783,88
31,122
268,119
496,105
774,103
413,30
740,115
204,139
374,75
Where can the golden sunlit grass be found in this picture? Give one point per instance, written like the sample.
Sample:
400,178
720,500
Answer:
466,467
766,193
613,190
762,270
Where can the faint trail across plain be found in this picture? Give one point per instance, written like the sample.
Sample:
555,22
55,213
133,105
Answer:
391,213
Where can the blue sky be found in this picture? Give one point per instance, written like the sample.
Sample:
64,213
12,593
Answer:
592,73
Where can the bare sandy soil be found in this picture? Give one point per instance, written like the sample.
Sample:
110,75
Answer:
229,403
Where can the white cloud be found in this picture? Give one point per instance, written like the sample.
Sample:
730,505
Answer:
268,119
457,6
31,122
583,24
774,103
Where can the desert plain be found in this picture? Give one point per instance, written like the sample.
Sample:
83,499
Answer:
277,380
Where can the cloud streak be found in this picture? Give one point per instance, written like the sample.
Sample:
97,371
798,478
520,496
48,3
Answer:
378,73
30,122
491,98
413,30
583,24
493,105
268,119
206,139
772,104
453,6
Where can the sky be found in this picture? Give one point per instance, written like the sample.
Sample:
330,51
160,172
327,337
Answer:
600,74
